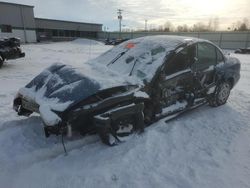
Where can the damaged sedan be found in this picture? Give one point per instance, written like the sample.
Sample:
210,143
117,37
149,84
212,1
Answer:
129,87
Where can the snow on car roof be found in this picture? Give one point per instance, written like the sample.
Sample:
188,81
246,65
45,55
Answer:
141,57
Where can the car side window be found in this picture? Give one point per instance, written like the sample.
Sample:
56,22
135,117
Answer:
206,56
181,61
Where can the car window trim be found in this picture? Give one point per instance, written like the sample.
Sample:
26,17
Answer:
175,54
197,51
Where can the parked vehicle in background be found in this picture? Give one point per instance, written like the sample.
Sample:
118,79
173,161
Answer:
130,86
242,51
10,49
114,41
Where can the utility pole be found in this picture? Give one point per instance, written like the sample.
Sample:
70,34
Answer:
119,13
146,25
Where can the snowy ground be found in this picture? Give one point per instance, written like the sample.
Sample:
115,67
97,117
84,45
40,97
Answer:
206,147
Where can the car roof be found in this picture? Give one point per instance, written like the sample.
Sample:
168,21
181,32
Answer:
168,39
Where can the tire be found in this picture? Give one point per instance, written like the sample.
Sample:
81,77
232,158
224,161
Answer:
1,61
221,94
112,136
120,129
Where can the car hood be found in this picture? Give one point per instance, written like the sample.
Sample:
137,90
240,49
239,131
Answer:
60,86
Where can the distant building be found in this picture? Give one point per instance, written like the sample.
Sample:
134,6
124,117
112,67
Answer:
48,29
17,20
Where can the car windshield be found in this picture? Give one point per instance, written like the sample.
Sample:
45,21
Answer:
139,57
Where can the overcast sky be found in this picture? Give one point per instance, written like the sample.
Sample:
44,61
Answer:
157,12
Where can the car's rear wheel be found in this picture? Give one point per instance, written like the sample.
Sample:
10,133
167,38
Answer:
221,94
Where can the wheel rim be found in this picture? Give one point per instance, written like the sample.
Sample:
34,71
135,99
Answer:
224,92
124,130
119,135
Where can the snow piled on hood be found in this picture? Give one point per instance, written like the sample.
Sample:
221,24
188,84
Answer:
46,105
58,91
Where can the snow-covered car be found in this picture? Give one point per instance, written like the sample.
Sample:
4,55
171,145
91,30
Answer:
242,51
10,49
130,86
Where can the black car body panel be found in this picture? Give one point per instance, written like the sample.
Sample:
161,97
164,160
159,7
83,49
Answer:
230,70
134,83
10,49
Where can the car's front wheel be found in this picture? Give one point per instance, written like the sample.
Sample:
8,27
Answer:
221,94
120,129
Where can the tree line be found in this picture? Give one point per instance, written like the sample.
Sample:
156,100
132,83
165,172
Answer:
212,25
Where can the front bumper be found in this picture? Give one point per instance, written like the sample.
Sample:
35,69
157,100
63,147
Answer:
25,107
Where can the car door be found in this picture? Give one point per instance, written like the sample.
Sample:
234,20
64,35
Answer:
204,65
177,79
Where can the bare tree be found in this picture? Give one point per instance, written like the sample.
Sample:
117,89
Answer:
168,26
215,24
160,28
182,28
210,24
241,25
200,27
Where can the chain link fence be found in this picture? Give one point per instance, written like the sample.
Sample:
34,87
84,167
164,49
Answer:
225,40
